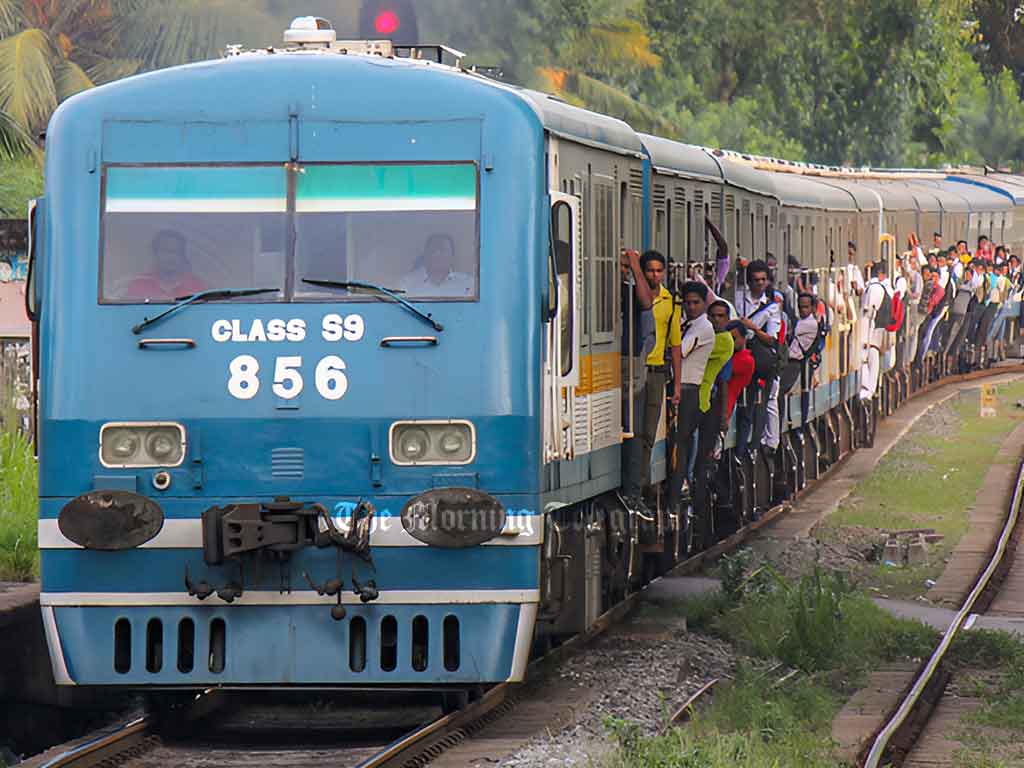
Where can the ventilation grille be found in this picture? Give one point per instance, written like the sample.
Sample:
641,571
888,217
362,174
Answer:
288,463
636,181
659,196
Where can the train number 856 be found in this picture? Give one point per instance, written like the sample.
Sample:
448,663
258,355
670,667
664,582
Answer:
330,378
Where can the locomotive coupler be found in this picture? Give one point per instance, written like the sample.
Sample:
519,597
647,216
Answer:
281,527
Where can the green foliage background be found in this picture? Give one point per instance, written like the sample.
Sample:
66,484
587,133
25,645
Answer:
883,82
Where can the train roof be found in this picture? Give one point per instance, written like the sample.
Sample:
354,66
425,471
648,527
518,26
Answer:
1009,187
981,193
677,159
934,196
865,198
580,124
788,188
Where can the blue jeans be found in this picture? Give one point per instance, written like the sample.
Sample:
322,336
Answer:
1006,311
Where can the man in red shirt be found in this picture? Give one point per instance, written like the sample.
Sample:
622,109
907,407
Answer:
171,275
742,368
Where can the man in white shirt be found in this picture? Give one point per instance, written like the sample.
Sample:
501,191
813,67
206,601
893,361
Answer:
698,341
854,275
912,299
762,317
434,276
804,335
875,294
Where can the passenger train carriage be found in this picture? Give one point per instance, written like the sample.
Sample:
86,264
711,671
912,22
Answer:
329,341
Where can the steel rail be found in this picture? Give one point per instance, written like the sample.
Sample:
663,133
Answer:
881,742
122,737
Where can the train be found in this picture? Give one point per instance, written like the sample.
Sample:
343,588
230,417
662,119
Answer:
319,406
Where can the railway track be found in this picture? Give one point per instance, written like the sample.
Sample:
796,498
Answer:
140,742
895,741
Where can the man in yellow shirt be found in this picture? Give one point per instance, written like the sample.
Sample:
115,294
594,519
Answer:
668,338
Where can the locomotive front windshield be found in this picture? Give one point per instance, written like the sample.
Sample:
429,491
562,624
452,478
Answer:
172,231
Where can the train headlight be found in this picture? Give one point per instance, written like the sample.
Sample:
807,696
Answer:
413,445
135,445
123,445
432,443
453,442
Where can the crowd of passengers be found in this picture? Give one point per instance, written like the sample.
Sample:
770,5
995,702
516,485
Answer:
716,359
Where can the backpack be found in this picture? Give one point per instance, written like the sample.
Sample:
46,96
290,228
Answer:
898,309
883,317
769,359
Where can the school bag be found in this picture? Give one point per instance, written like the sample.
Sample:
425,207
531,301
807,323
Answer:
769,359
883,317
898,309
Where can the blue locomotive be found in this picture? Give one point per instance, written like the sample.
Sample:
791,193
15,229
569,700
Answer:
329,362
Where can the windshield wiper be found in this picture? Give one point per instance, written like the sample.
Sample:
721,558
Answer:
389,292
197,298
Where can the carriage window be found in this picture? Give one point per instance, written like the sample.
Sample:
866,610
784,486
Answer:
411,228
605,259
561,238
174,231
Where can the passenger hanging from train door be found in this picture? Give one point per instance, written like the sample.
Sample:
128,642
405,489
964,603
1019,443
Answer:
760,316
804,343
638,339
1008,309
854,275
697,343
899,288
741,373
713,395
1000,292
936,311
992,299
721,256
787,319
915,289
696,273
666,345
876,315
958,311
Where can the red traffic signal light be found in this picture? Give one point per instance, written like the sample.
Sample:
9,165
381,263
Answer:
394,20
387,22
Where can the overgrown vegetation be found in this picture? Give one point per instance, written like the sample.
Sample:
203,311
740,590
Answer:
19,555
20,181
991,736
750,724
827,634
938,467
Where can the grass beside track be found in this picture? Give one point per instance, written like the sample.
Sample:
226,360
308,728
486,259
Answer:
991,737
819,626
19,498
929,480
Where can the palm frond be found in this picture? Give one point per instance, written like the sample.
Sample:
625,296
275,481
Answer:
162,34
28,93
588,92
15,141
623,42
70,79
108,70
11,17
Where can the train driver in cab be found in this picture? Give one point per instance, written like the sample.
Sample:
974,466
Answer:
434,276
171,276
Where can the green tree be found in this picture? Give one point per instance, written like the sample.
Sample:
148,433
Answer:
845,79
998,37
40,62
